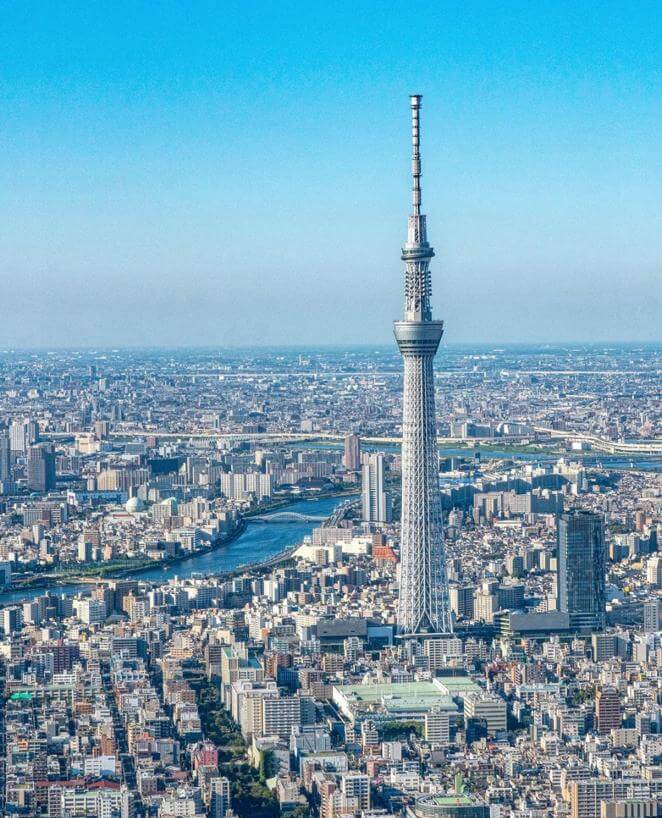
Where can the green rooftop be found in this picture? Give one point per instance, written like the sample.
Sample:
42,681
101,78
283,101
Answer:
451,800
455,685
370,693
408,696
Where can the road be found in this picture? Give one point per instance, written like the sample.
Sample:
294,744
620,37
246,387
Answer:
128,772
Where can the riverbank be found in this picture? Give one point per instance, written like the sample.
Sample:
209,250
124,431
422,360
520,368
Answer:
110,571
126,568
252,546
284,502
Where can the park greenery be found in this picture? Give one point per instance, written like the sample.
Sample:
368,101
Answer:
249,794
392,730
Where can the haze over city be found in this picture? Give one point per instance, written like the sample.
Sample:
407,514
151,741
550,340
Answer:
212,175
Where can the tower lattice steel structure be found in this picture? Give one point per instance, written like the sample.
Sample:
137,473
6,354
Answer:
424,603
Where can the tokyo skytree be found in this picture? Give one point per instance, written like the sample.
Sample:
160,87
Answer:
424,599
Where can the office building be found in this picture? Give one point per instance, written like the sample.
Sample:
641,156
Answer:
5,574
41,468
424,604
487,708
581,569
608,645
510,596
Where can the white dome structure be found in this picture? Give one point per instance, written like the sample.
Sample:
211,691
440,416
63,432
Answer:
134,505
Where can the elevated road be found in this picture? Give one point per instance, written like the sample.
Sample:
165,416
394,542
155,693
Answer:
652,447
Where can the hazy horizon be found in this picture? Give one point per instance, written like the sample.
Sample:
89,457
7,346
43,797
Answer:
192,176
321,347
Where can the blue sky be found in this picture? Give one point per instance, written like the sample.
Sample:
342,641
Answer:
237,173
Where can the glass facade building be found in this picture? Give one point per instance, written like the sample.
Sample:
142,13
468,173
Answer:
581,569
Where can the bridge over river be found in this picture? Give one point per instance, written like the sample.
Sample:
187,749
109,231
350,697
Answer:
286,517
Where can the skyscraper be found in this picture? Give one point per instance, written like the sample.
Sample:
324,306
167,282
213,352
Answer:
375,502
17,436
581,569
424,603
5,457
41,468
352,457
23,433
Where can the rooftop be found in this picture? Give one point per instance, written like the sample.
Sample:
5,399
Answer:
451,800
392,697
454,685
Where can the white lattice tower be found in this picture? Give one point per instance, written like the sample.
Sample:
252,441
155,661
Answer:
424,601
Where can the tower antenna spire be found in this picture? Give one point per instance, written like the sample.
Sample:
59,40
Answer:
415,102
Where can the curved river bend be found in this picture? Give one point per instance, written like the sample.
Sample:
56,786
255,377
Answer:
258,543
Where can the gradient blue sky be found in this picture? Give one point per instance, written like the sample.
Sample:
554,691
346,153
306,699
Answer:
214,173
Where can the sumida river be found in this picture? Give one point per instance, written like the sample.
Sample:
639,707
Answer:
258,543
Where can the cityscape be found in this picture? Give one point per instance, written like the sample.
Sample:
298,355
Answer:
409,579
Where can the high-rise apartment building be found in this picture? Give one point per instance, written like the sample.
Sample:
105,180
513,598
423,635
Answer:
219,801
279,715
437,728
17,436
462,601
424,604
587,796
375,501
22,434
653,616
5,458
581,569
356,785
241,485
607,709
41,468
654,571
352,457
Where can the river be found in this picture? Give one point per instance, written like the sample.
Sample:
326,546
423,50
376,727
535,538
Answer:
257,543
617,462
260,542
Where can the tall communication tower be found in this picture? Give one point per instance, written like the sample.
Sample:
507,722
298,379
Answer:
424,600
